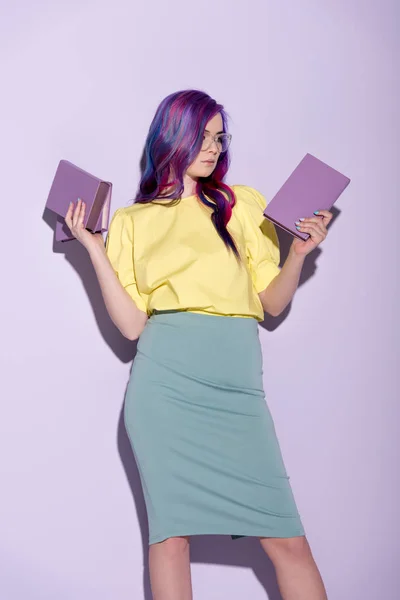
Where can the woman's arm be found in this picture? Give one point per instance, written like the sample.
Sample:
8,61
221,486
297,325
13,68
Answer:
124,313
280,291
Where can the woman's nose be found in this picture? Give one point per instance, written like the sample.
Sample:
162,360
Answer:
214,147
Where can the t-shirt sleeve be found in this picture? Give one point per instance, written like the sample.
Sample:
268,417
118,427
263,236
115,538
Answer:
120,251
262,244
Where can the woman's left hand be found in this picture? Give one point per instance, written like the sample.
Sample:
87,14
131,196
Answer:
316,226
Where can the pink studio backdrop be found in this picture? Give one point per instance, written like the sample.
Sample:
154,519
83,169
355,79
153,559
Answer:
81,80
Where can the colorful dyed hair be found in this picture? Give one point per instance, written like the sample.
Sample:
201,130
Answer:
174,141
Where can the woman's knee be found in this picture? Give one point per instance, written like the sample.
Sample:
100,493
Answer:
175,545
294,548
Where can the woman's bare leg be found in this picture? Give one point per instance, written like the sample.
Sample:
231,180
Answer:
297,574
169,565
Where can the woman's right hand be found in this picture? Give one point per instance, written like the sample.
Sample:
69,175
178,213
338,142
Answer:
74,220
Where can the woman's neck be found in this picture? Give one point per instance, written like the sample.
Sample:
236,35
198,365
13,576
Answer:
189,186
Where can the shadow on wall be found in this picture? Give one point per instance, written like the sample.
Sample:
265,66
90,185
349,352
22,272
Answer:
206,549
79,259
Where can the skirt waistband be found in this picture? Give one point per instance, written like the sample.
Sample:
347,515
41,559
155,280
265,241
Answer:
225,350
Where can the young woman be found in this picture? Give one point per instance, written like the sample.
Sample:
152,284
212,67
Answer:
191,267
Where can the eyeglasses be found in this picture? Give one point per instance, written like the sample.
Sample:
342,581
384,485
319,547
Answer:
222,141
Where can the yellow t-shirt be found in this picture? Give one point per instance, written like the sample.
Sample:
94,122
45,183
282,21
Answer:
172,258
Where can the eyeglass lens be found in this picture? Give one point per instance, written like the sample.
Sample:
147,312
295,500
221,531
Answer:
222,141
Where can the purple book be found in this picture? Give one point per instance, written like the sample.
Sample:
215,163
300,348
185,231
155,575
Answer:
313,185
70,183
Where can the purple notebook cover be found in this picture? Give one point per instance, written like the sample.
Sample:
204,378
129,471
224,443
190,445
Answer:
70,183
313,185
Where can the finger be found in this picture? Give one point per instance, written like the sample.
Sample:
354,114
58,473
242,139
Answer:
315,232
324,213
318,222
76,213
326,216
68,216
310,220
321,227
81,215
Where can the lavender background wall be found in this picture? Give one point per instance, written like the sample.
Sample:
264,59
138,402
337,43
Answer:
81,80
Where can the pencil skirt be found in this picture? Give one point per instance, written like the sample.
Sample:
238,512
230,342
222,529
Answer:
201,432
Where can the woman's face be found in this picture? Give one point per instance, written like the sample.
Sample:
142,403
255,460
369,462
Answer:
206,160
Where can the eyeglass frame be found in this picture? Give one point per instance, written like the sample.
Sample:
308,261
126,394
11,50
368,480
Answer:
213,138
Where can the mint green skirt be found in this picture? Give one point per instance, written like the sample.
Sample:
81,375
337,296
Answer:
201,431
